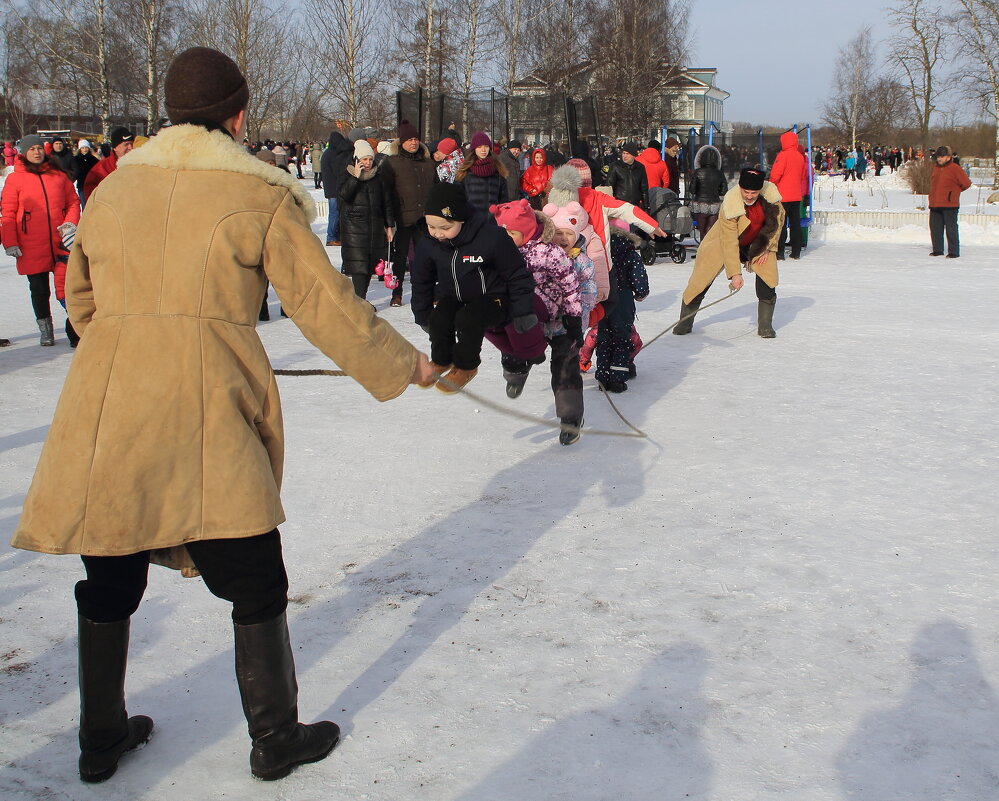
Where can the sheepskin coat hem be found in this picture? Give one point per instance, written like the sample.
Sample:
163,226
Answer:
719,250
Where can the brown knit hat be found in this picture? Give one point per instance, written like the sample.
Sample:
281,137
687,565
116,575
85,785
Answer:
204,84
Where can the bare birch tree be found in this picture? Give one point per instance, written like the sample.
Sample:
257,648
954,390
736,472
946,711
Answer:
508,17
477,41
977,25
634,46
149,29
263,46
554,46
916,53
349,49
852,79
77,37
424,53
15,77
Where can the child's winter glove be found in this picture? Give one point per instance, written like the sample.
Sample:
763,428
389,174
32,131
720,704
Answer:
574,329
524,323
14,251
68,233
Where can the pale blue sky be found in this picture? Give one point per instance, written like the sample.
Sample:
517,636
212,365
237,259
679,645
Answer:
776,58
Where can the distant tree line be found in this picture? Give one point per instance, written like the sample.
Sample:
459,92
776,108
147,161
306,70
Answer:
334,61
940,57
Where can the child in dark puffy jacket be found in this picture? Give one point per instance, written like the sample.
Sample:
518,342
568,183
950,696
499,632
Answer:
558,305
467,277
614,340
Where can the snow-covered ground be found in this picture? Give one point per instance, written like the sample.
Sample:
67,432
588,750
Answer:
890,192
787,592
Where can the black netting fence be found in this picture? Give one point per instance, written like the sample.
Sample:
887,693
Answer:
533,120
583,124
410,106
483,110
537,120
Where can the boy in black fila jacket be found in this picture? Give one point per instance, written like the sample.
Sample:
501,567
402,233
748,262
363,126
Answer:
478,278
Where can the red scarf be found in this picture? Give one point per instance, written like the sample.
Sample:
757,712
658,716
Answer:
483,167
756,216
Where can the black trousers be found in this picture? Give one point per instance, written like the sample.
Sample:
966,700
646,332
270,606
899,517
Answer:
763,292
41,290
404,236
567,381
248,572
944,220
792,220
361,284
457,329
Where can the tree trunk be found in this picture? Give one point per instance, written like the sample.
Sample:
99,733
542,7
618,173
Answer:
152,89
100,25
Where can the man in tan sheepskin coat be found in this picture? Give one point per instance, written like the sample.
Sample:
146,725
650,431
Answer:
167,442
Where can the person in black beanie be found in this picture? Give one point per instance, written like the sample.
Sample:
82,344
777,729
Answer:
122,142
628,179
164,282
468,276
747,231
64,156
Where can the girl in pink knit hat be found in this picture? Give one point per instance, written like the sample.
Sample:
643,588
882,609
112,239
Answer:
558,304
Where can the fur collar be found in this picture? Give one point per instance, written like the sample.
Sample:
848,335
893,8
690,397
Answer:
547,233
732,205
766,239
191,147
634,239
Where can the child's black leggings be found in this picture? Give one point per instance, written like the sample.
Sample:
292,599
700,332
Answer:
457,329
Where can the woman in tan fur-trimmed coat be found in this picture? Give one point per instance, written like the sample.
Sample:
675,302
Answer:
167,442
747,231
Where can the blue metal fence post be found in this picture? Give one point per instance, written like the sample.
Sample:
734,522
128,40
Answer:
811,174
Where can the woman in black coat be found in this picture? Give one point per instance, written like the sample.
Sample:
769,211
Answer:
365,218
483,175
707,188
83,162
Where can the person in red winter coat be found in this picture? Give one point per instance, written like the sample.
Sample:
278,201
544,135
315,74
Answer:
947,182
786,175
536,178
9,154
122,141
655,167
38,207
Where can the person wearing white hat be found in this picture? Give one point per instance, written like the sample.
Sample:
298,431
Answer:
83,162
366,218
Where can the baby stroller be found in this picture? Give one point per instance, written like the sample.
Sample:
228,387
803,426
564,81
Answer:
674,218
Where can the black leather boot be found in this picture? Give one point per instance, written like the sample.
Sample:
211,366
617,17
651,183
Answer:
106,730
766,319
686,326
265,672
